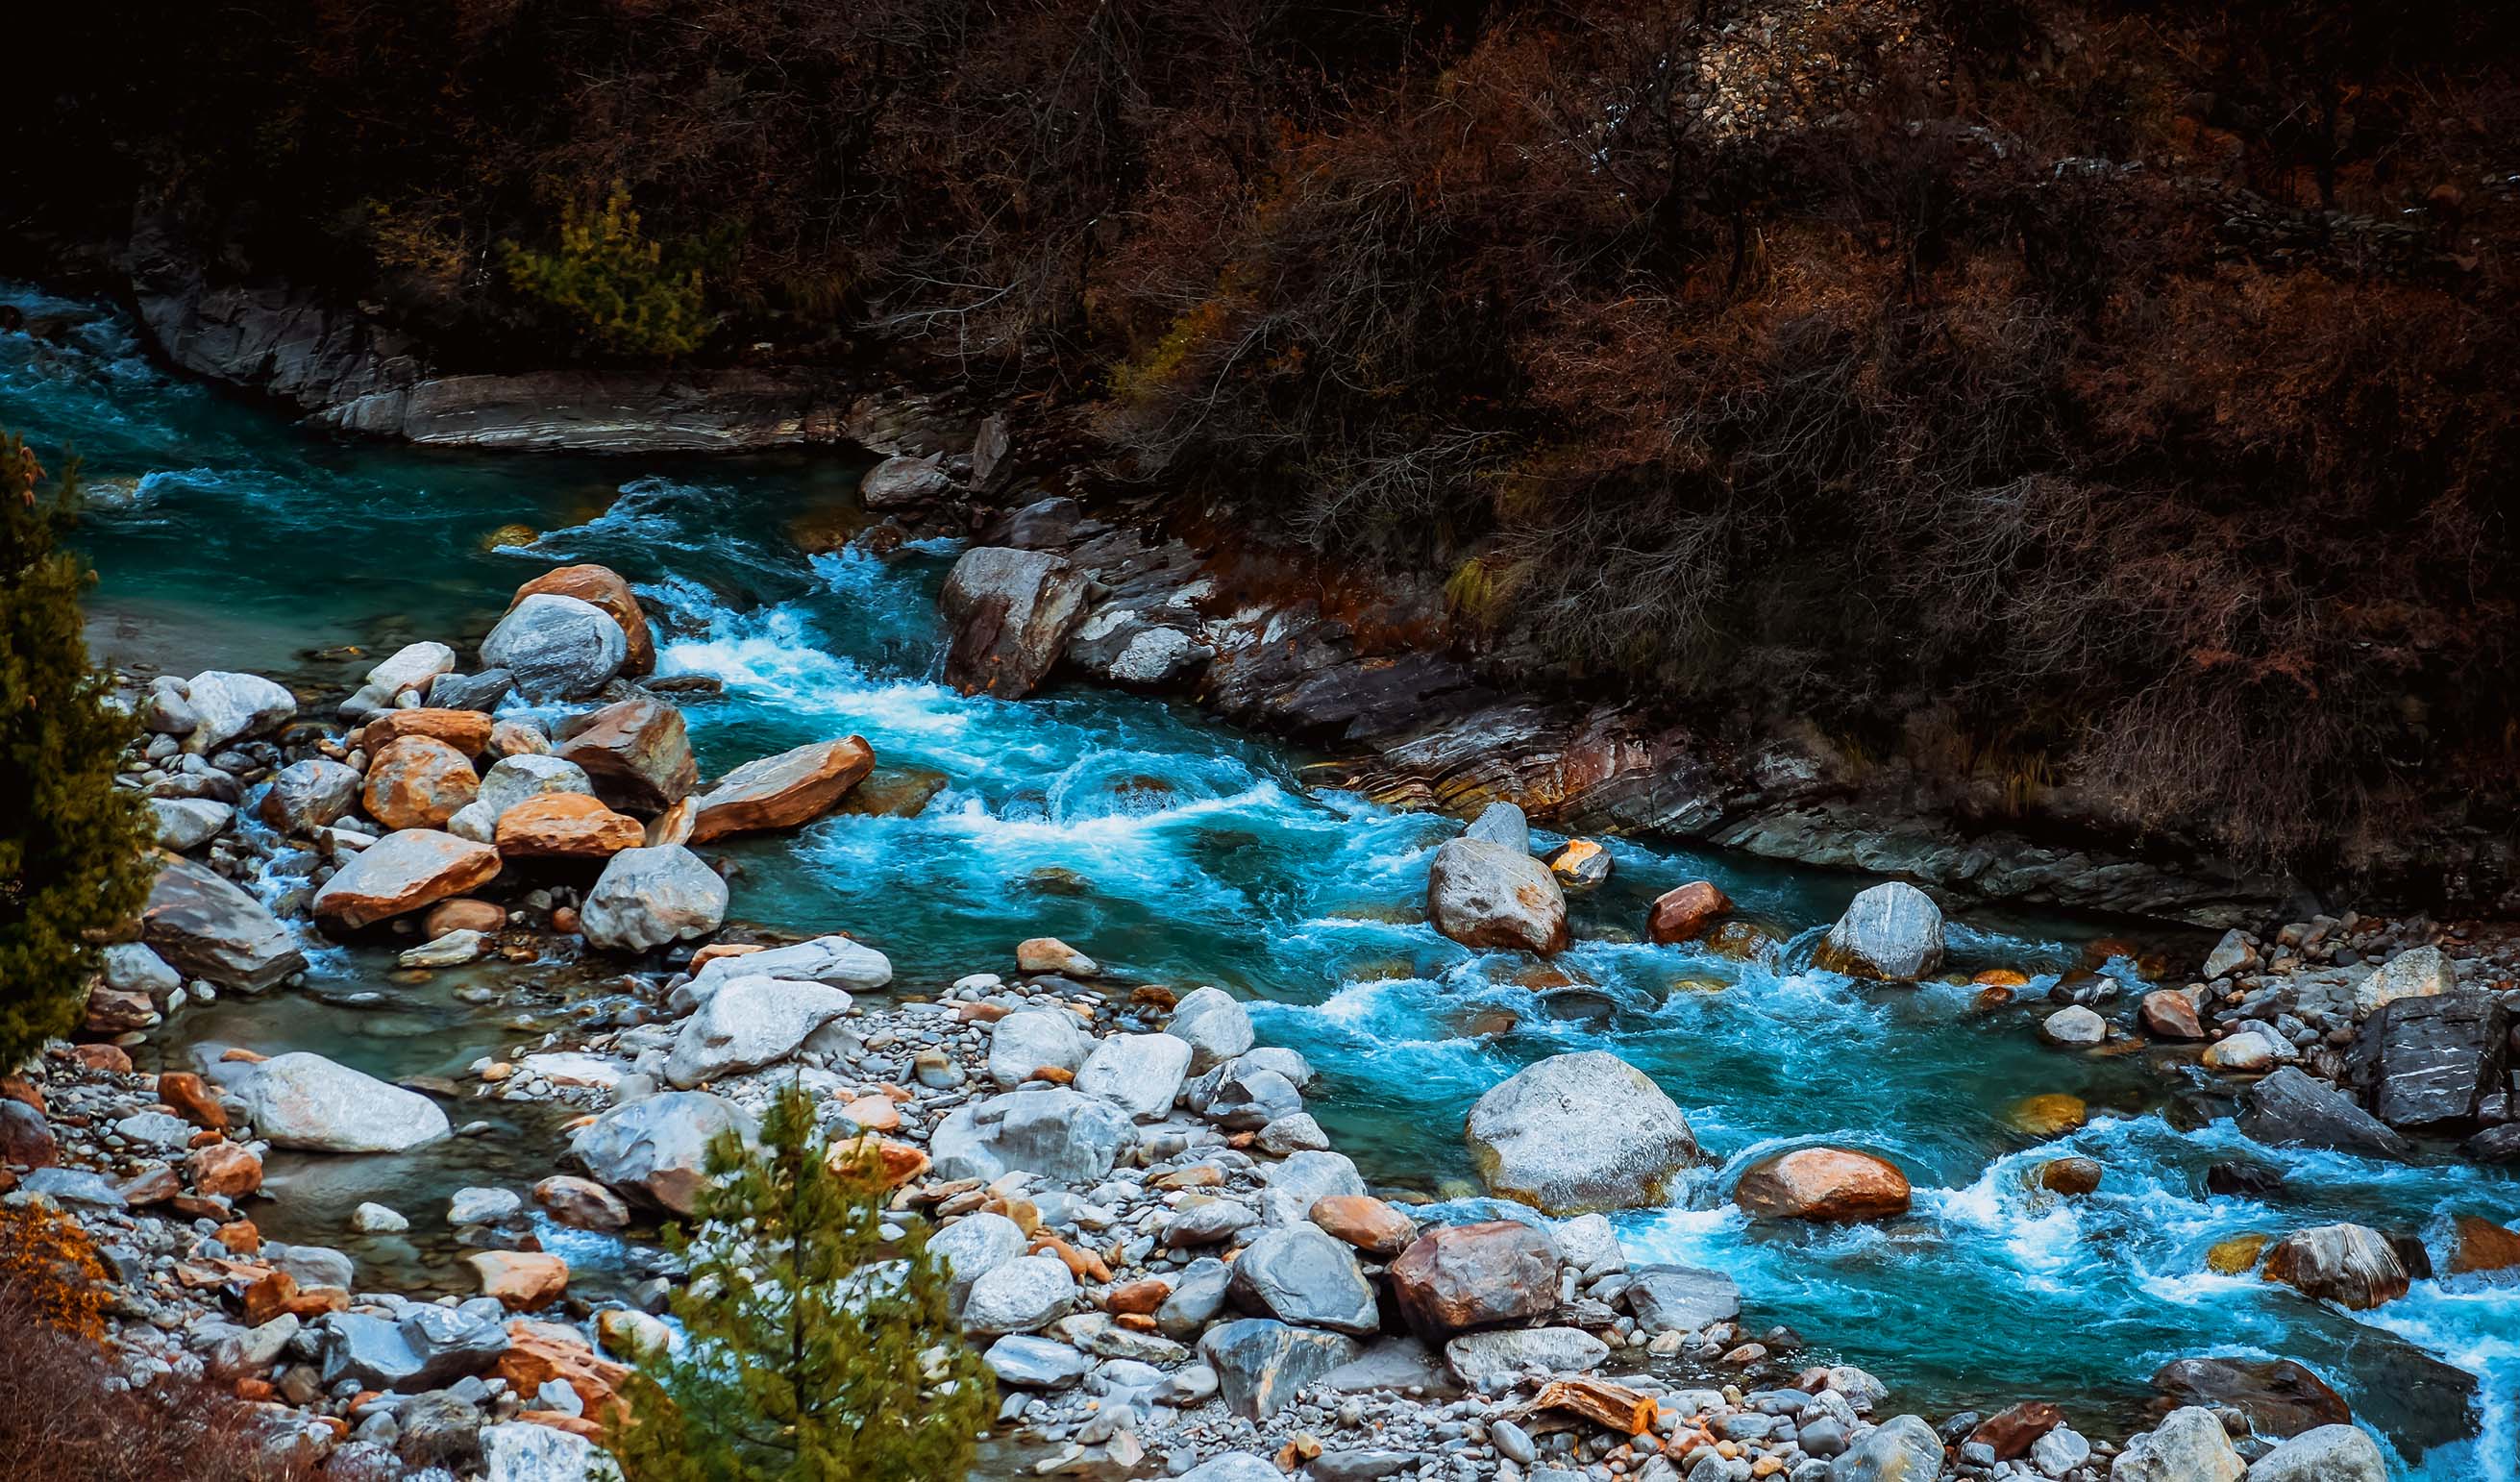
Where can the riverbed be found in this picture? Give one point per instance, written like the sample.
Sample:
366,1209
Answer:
1180,852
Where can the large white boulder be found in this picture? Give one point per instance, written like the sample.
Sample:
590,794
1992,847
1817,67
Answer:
1576,1133
303,1099
647,897
657,1147
557,648
228,705
747,1023
1892,931
1486,894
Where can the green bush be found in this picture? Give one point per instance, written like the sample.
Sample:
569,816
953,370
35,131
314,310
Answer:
814,1350
614,286
72,861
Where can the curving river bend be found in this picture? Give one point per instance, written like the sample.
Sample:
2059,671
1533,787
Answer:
1182,853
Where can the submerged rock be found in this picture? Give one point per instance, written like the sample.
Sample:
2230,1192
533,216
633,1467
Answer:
1576,1133
1484,894
1010,613
1892,931
206,927
647,897
304,1101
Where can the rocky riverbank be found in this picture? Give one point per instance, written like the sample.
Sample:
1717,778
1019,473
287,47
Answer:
1171,1268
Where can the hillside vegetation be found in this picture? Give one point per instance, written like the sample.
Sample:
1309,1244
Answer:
2112,391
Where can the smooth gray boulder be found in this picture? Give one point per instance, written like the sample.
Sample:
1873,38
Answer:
2329,1454
1576,1133
1234,1466
1052,1131
301,1100
511,781
1503,825
1030,1038
557,648
1021,1362
1199,1295
1140,1073
2293,1109
1021,1295
227,705
1685,1298
748,1023
1010,613
835,961
133,967
1892,931
1298,1273
1292,1189
972,1246
1483,894
1261,1364
657,1147
647,897
309,794
1900,1449
1214,1024
188,823
426,1346
520,1451
901,481
1243,1096
2189,1446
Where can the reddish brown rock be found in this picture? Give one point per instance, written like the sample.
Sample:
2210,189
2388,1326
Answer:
1365,1223
116,1010
1824,1184
113,1059
1681,914
604,587
239,1237
2169,1015
581,1203
715,950
225,1169
782,791
418,782
186,1094
1137,1296
521,1280
674,825
467,731
516,738
2073,1177
2015,1431
268,1296
2478,1244
638,755
405,871
2351,1264
567,826
461,916
1458,1277
895,1163
542,1351
24,1136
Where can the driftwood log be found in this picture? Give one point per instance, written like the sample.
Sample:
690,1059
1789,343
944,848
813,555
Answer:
1628,1412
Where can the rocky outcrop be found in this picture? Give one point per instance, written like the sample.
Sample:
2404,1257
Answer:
1576,1133
206,927
1011,612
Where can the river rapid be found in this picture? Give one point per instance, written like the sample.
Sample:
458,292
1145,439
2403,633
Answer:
1180,852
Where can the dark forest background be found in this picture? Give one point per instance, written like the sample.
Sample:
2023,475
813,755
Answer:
2119,391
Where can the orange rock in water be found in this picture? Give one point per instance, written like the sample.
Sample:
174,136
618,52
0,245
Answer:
782,791
2479,1244
567,826
461,916
224,1169
1682,913
418,782
2049,1116
2168,1013
113,1059
2001,977
1824,1184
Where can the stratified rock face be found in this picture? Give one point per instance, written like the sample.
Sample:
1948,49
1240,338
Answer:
305,1100
637,753
1011,612
418,782
1831,1184
650,896
1457,1278
1484,894
227,705
1892,931
748,1023
782,791
602,587
2189,1446
656,1148
2428,1063
2291,1110
2351,1264
1576,1133
207,929
557,648
405,871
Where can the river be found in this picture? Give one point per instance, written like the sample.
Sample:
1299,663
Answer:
1181,852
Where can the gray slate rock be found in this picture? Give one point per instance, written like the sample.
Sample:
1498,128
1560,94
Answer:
1052,1131
557,648
647,897
657,1147
1214,1024
206,927
1262,1364
1576,1133
2290,1110
1298,1273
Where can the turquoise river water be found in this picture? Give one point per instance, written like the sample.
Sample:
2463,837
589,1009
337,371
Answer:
1181,852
